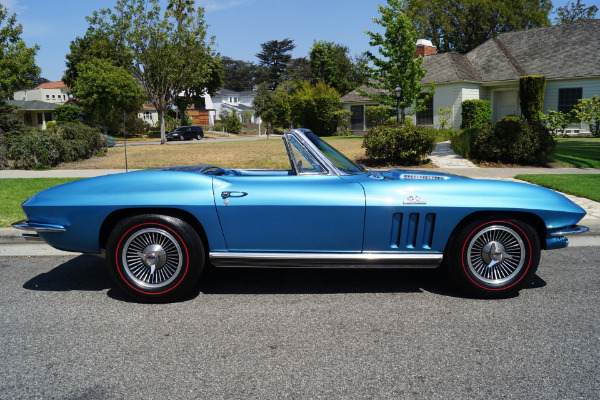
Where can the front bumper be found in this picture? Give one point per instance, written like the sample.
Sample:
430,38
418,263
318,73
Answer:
32,229
556,238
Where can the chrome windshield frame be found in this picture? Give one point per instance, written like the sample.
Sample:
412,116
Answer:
315,152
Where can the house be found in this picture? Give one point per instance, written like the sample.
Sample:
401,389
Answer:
567,55
229,100
149,114
35,112
50,92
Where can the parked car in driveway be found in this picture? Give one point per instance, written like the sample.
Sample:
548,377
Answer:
185,133
159,228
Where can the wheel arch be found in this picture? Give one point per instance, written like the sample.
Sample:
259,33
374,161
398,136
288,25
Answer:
112,219
532,219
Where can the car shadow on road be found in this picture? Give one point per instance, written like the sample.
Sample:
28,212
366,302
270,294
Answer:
86,273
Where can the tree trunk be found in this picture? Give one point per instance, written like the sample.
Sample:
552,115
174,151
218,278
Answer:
161,117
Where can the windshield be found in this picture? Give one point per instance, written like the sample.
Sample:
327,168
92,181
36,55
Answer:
341,162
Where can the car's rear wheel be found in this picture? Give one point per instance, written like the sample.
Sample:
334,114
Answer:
155,258
199,137
494,257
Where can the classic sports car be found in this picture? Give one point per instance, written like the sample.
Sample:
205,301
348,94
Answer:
159,228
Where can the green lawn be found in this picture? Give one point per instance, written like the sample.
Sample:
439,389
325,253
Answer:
577,152
584,185
13,192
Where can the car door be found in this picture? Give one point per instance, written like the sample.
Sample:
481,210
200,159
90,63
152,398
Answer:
304,210
296,213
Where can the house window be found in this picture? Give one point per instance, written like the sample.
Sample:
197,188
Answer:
53,97
357,120
147,116
567,98
47,97
425,117
48,116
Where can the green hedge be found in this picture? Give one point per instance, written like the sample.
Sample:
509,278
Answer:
513,140
476,113
462,141
531,95
46,150
400,144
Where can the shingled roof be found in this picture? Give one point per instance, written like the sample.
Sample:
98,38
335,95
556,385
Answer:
33,105
558,52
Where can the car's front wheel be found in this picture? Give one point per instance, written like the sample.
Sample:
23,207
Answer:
155,258
494,257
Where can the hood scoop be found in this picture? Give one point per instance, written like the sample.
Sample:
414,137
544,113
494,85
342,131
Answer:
417,176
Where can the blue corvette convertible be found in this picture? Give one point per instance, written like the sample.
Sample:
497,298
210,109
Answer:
159,228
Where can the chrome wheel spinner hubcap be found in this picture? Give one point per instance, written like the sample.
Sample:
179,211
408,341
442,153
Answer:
152,258
496,254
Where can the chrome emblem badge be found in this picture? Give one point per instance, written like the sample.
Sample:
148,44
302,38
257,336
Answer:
414,200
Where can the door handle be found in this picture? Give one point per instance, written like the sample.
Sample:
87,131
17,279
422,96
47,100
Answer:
233,194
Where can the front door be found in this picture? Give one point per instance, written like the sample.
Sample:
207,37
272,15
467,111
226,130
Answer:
506,102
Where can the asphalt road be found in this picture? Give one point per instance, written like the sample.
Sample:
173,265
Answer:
299,334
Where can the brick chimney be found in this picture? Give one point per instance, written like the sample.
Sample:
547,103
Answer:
425,48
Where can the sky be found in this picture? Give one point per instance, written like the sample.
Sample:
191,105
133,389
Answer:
239,26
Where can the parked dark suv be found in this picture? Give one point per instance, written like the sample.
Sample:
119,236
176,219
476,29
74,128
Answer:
186,132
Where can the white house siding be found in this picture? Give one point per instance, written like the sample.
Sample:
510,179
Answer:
590,87
452,95
59,95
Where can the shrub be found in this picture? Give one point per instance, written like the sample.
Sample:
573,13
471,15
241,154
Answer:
461,142
343,122
531,95
588,110
557,121
40,151
513,140
445,117
66,114
3,151
476,113
377,115
87,142
400,144
314,107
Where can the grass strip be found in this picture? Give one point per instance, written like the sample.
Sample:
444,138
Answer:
577,152
582,185
13,192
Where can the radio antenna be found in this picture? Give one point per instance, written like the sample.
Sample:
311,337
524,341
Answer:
125,140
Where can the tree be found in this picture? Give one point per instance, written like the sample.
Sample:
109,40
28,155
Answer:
103,88
163,44
273,107
575,12
329,62
313,107
17,61
463,25
588,110
94,44
297,69
67,114
238,75
398,68
275,58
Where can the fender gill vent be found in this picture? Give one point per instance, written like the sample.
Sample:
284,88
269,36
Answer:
407,177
